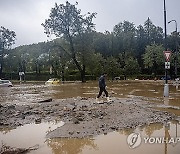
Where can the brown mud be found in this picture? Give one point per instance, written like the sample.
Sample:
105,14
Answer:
84,117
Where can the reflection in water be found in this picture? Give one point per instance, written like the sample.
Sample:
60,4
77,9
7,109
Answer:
126,131
171,105
114,142
149,129
166,100
167,136
28,135
71,145
5,130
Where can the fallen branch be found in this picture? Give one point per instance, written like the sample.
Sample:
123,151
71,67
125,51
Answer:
47,100
12,150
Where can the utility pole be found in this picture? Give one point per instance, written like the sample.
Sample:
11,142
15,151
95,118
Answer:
176,75
165,36
166,86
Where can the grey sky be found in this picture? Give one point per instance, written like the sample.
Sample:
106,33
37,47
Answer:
25,16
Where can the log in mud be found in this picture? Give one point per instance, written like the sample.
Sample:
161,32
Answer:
13,150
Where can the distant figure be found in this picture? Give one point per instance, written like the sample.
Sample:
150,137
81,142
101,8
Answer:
102,87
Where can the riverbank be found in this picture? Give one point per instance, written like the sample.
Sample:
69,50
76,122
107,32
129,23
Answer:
83,117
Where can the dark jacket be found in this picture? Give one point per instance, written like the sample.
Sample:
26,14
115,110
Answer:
102,83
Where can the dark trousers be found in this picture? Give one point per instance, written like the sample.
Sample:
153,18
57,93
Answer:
101,90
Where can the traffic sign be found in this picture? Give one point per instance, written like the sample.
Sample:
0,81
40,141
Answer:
21,73
167,55
167,65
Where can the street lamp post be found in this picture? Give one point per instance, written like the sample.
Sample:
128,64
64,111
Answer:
165,27
166,86
176,47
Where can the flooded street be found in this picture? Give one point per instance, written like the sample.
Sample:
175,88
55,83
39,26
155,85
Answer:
114,142
147,90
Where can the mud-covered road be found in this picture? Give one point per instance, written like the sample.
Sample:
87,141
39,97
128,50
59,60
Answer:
84,117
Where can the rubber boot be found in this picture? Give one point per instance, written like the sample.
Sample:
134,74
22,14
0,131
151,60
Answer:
108,99
97,100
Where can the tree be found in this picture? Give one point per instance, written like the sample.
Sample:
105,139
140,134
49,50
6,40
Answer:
125,33
59,59
154,34
103,43
95,64
171,43
154,58
112,67
30,58
131,66
171,40
66,21
128,64
141,40
7,38
147,35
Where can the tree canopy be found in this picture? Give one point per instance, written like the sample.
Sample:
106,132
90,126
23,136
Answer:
79,52
67,21
7,38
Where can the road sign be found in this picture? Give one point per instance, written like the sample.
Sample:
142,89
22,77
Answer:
167,55
21,73
167,65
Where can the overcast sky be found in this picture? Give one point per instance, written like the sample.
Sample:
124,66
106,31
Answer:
25,16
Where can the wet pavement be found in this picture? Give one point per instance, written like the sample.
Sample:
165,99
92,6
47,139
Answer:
115,142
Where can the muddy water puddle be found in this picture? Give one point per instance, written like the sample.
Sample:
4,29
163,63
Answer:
151,91
28,136
115,142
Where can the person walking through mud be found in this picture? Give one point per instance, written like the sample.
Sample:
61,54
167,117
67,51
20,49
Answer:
102,87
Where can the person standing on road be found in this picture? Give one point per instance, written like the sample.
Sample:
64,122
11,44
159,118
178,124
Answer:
102,87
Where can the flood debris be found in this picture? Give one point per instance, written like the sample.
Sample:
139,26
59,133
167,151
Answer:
1,106
38,121
46,100
84,117
92,119
12,150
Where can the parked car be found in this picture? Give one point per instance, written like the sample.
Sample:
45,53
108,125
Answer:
5,83
117,78
52,81
164,77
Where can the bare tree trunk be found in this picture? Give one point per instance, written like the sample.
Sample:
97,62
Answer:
1,68
1,63
36,68
62,72
83,73
81,70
